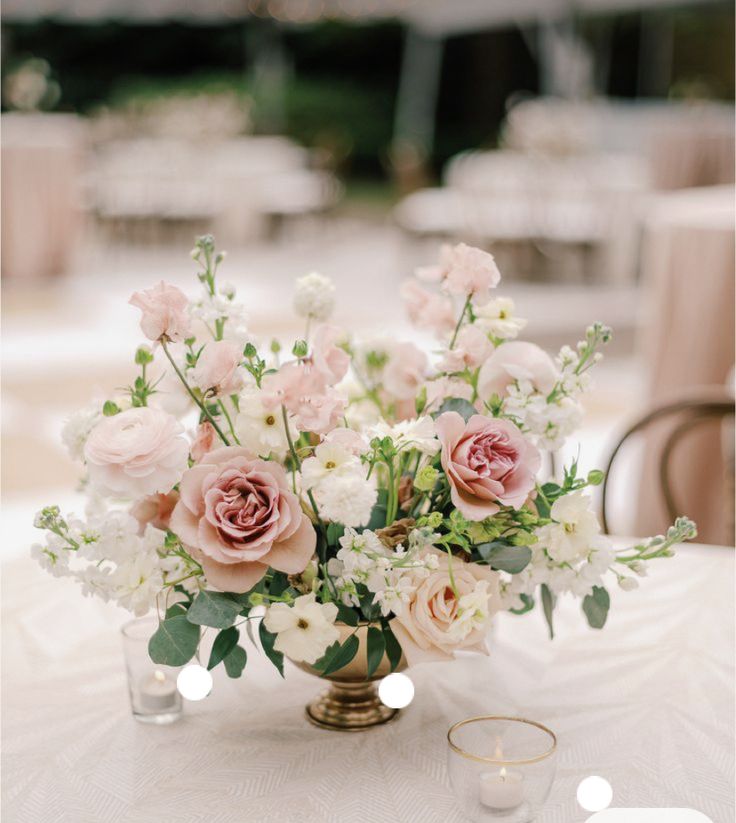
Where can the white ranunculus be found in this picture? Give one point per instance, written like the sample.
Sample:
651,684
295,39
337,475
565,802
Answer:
260,429
304,630
314,296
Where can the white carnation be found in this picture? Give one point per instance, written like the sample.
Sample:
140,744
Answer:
348,500
314,296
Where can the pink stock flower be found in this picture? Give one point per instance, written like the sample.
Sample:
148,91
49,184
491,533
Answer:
237,517
406,371
471,348
303,390
164,312
217,368
488,463
137,452
426,309
205,439
513,361
327,357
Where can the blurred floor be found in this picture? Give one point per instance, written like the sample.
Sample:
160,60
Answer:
70,340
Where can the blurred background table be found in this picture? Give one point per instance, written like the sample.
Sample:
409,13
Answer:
647,704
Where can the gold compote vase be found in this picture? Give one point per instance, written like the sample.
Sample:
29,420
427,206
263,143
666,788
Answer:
351,703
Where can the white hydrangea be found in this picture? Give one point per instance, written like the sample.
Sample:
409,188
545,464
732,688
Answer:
76,429
314,296
496,317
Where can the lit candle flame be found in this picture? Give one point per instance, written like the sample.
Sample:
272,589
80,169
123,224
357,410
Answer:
503,773
159,675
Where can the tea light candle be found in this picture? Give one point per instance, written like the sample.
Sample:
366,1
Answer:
158,692
502,790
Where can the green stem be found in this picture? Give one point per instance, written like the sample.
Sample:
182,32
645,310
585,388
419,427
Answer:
460,322
194,397
298,465
221,404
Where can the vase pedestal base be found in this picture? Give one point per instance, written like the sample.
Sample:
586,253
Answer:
349,707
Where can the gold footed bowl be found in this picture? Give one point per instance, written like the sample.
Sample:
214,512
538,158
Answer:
351,703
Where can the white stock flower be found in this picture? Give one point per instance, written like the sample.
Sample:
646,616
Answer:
76,430
496,317
314,296
304,630
260,429
574,531
138,582
473,612
222,307
418,433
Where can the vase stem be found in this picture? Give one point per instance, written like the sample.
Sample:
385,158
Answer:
350,707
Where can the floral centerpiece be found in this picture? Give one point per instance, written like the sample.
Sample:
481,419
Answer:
364,505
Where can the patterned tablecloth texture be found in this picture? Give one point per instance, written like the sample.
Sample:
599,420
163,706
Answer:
647,704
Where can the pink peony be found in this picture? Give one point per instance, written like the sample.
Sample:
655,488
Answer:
406,371
164,312
426,309
327,357
205,439
472,347
136,452
155,509
304,391
217,368
513,361
238,517
425,626
488,463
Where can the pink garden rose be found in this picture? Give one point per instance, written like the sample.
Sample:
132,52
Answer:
488,463
513,361
164,312
327,357
427,628
237,516
306,394
136,452
471,348
217,368
155,509
205,439
426,309
406,371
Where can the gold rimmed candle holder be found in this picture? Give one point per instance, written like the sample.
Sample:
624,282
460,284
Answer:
501,768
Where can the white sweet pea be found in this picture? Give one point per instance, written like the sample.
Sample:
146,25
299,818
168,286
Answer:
304,630
574,531
314,296
330,460
260,429
496,317
417,433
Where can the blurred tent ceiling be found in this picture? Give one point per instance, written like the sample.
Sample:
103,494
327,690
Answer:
438,17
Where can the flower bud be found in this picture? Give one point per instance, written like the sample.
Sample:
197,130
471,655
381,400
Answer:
425,479
255,599
628,584
143,356
595,477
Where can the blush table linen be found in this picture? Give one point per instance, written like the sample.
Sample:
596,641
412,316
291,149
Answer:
647,703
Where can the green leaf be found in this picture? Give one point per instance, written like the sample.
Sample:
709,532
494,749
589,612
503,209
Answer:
267,642
347,615
214,609
376,648
499,556
175,641
457,404
334,532
174,609
338,655
528,602
279,584
393,647
548,606
225,642
378,515
235,662
596,607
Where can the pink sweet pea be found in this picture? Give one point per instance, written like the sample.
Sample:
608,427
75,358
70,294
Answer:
488,463
471,348
164,312
517,360
426,309
327,357
217,368
406,371
304,391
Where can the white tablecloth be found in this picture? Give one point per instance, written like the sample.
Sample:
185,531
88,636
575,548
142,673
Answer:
647,704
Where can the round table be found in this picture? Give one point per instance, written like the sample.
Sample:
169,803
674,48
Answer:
647,704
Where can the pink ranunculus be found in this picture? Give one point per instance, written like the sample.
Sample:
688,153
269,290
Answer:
155,509
305,393
205,439
471,348
137,452
426,309
164,312
237,516
327,357
406,371
468,271
513,361
425,627
217,368
488,463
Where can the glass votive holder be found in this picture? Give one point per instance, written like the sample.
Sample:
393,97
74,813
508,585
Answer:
154,697
501,768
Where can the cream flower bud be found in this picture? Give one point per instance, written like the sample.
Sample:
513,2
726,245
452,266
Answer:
314,296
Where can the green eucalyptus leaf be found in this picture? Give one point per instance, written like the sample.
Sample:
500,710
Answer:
225,642
235,661
457,404
214,609
548,606
175,641
268,639
376,648
596,607
505,558
528,602
337,656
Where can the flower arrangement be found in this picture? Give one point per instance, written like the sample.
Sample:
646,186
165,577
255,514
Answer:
348,484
